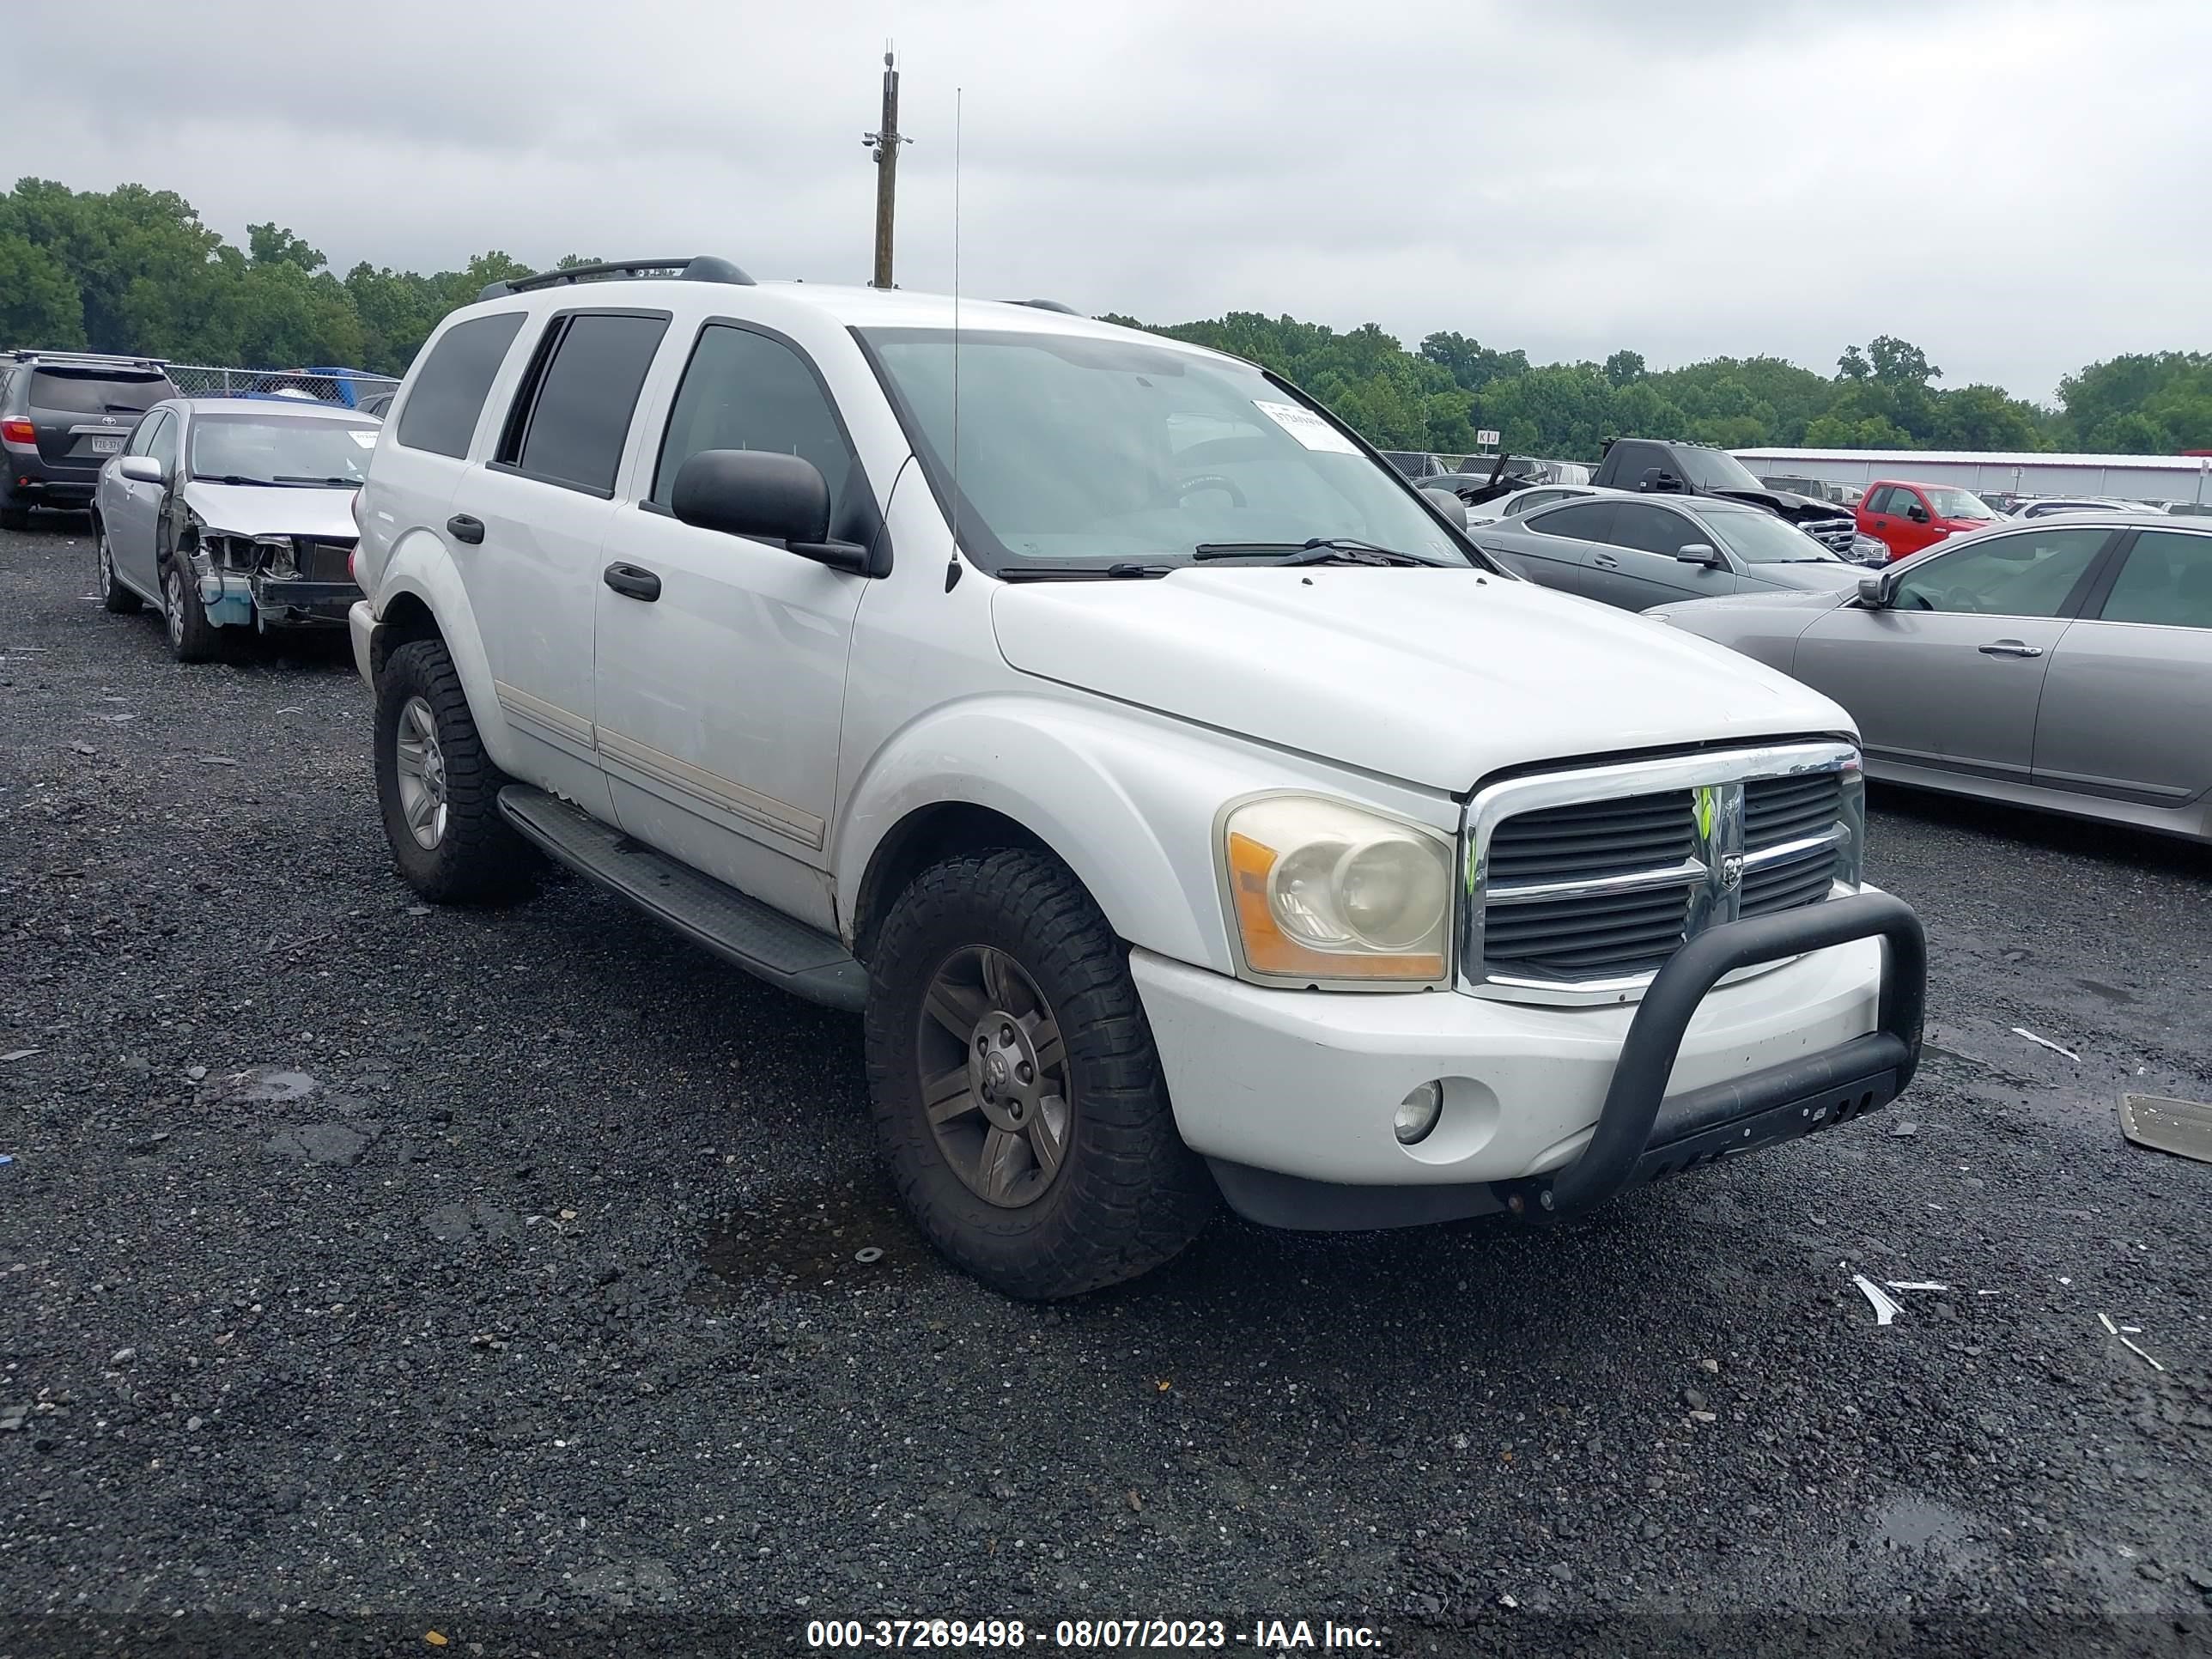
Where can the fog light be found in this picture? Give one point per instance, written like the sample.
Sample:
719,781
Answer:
1418,1112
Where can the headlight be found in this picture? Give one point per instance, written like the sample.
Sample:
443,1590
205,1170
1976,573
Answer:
1319,891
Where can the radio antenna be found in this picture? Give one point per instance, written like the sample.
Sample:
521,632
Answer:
952,569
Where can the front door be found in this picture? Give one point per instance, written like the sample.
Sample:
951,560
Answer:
1640,568
1948,676
134,510
2127,703
721,662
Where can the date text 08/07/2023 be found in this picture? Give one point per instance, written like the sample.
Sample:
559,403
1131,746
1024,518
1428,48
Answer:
1141,1635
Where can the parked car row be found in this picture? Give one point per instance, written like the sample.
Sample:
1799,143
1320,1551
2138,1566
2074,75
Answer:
1190,809
2063,663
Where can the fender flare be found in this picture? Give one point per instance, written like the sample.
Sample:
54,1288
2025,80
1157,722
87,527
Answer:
421,569
1112,797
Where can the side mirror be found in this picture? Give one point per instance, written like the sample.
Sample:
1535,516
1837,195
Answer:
1703,553
765,496
139,469
1916,513
1875,592
1659,480
1447,502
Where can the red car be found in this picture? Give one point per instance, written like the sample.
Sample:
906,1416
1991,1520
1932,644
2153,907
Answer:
1907,517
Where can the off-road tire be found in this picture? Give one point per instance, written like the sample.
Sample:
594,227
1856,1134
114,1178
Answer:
1129,1195
480,859
118,599
192,637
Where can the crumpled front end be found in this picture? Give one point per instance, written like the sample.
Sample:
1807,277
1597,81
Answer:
274,581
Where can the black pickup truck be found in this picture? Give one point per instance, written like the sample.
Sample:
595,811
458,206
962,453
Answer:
1656,465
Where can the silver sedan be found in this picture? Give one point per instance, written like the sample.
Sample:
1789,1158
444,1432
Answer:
1635,551
232,515
2065,664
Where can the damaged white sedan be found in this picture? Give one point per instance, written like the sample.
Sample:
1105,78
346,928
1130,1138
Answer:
232,516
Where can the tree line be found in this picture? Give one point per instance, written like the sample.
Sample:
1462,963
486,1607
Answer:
134,270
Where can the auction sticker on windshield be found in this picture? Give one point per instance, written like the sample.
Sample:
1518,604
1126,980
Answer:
1308,427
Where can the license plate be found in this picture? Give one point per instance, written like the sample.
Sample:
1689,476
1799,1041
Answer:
107,446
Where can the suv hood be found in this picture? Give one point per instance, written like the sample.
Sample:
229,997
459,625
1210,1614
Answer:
274,509
1436,677
1798,509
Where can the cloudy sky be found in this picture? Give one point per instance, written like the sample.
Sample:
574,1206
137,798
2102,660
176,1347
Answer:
2015,186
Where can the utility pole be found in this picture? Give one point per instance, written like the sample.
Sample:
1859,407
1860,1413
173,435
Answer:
884,143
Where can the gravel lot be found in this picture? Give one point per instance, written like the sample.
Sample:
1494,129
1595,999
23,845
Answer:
366,1270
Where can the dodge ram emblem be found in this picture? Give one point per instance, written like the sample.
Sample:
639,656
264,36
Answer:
1731,871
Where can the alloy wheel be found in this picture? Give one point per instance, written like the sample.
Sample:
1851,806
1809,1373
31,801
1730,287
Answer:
422,771
994,1080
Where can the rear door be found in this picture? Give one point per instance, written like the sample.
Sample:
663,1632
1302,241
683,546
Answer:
533,522
1948,677
2127,700
1553,545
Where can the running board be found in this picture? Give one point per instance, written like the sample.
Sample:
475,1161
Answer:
786,953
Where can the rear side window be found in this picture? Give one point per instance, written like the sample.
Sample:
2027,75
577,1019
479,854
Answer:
746,391
1589,521
2167,579
448,394
573,411
88,394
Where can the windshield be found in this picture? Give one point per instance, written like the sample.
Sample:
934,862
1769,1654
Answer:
269,449
1712,469
1077,451
1757,538
1948,503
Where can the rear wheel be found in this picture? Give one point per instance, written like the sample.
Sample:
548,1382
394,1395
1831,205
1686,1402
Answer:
113,594
15,518
439,790
1016,1086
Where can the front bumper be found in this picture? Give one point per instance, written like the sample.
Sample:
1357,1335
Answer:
360,624
292,602
1291,1095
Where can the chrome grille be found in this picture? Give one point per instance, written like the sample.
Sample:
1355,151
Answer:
1834,534
1585,883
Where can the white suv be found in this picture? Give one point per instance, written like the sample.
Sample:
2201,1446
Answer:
1191,810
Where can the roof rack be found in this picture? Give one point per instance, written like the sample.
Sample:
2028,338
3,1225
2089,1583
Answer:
700,268
1046,304
41,354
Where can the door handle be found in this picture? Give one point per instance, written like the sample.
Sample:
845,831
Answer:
465,528
1605,561
632,582
2011,648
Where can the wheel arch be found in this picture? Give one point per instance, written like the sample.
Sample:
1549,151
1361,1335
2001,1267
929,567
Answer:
420,596
1128,808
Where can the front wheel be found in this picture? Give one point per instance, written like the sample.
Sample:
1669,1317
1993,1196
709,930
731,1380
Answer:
192,637
1015,1087
439,789
118,599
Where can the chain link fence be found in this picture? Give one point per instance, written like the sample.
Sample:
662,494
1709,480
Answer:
347,388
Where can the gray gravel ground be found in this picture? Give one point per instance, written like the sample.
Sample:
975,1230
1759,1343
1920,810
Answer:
366,1270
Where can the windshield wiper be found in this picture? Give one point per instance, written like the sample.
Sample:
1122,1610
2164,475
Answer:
230,478
287,477
1320,550
1093,573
